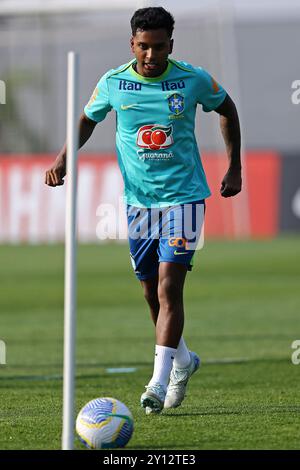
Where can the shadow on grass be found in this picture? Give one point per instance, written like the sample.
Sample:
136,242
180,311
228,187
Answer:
247,410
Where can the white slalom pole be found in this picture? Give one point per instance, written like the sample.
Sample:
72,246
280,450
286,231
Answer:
70,256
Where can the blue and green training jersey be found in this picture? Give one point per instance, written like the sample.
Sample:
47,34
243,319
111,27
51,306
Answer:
156,145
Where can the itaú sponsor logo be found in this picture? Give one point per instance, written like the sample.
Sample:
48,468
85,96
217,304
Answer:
155,136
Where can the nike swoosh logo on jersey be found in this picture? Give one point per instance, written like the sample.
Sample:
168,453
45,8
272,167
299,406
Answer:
180,252
128,106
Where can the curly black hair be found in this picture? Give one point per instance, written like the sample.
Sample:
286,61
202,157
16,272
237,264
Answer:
152,18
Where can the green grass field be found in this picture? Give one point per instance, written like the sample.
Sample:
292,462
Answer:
242,315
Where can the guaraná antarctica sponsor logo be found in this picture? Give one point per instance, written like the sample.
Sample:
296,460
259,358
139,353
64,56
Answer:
152,140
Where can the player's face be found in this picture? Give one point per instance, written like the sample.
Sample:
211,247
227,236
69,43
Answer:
151,49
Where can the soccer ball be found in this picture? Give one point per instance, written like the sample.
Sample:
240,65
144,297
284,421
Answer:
104,423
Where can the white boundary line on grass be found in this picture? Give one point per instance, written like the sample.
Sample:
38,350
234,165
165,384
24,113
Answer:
130,370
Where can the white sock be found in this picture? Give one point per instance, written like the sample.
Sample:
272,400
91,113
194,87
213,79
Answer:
182,358
163,363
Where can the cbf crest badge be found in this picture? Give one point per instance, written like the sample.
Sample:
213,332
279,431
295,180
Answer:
176,103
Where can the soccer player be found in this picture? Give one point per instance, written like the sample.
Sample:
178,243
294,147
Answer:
155,99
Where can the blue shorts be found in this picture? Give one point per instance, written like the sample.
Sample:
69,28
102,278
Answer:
168,234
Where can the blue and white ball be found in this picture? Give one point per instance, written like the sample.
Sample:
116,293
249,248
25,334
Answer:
104,423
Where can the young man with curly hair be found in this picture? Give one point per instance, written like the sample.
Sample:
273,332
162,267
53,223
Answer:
155,99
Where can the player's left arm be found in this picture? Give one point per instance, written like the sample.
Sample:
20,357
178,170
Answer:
230,127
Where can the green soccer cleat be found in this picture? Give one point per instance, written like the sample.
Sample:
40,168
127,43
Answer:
178,382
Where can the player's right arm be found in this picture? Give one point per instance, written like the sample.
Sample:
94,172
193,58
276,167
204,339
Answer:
54,176
94,112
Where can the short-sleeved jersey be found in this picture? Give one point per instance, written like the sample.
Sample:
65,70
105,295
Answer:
156,145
